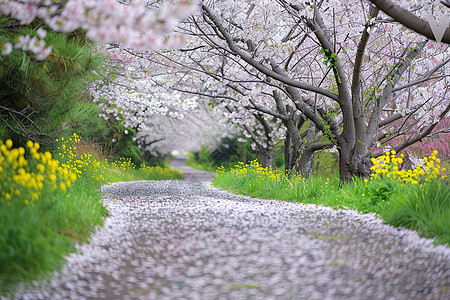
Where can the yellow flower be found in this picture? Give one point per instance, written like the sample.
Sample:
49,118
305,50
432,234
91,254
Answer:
73,177
9,144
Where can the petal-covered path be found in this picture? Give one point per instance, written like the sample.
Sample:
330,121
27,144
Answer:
188,240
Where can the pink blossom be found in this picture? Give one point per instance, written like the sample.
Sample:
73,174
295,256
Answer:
7,48
41,32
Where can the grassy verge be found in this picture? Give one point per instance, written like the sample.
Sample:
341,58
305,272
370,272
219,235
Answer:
49,201
191,162
417,199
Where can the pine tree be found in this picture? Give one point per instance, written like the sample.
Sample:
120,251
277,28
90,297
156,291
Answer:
36,97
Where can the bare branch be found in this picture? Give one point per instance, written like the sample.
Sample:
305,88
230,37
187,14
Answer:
409,20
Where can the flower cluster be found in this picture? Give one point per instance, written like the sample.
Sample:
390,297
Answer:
123,164
36,45
388,165
25,180
253,169
107,21
97,172
158,172
83,164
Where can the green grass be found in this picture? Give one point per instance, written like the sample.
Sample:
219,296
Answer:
191,162
146,173
34,239
422,207
425,209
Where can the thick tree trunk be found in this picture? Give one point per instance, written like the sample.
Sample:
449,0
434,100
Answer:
353,164
305,164
306,161
266,158
361,165
146,155
345,166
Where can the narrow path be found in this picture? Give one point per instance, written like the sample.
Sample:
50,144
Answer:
187,240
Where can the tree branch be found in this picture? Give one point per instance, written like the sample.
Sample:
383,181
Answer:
425,134
393,77
260,67
409,20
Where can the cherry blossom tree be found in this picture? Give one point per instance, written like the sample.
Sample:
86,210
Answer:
362,96
352,75
137,24
134,88
369,81
243,97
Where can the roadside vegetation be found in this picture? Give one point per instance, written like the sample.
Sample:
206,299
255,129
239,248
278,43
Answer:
417,199
49,201
50,179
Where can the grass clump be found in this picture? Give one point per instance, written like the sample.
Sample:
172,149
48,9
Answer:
425,209
417,199
254,180
48,201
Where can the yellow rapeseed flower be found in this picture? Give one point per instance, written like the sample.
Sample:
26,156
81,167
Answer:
8,144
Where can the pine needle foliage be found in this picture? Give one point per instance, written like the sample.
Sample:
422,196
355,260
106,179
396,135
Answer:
37,96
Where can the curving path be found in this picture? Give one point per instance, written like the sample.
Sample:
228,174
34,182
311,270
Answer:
187,240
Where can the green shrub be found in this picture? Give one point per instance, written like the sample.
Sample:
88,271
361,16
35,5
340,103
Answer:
125,148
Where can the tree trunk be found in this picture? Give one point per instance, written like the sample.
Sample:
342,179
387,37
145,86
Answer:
287,153
305,164
361,165
146,155
345,169
352,164
266,158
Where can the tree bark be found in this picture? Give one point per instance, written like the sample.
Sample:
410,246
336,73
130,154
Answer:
306,163
266,157
287,153
410,20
